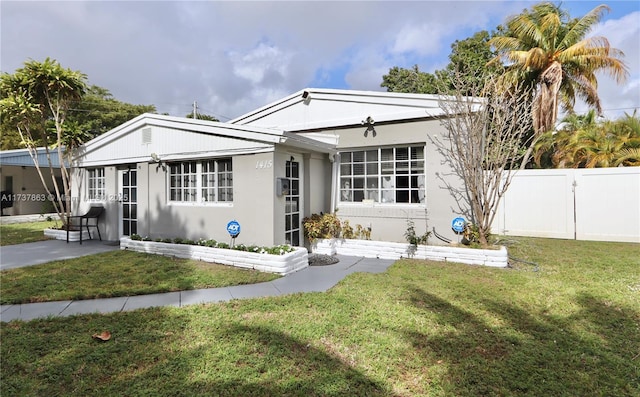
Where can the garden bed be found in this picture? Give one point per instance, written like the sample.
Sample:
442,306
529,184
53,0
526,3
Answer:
390,250
280,264
61,234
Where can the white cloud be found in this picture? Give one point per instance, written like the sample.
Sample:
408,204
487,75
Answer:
233,57
623,34
412,38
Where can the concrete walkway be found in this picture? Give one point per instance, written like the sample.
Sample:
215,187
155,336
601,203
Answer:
310,279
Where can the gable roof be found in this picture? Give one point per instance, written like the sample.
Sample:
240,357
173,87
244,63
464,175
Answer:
188,138
315,109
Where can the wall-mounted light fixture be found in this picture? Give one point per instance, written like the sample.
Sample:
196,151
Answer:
155,159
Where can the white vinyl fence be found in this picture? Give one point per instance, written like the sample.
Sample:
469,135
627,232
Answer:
585,204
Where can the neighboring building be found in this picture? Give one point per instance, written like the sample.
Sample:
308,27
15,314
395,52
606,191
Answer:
368,155
21,189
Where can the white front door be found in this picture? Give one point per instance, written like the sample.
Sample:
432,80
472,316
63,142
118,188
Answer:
128,194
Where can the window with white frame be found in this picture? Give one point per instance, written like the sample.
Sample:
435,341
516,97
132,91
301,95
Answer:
95,184
209,181
217,181
383,175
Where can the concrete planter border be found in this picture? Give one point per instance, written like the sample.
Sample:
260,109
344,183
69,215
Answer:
280,264
74,235
391,250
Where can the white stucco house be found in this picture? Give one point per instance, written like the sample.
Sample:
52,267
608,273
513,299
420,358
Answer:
365,154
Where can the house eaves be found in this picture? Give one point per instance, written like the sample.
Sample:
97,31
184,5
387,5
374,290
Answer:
314,109
21,157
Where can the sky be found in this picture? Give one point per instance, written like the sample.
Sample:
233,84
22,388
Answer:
232,57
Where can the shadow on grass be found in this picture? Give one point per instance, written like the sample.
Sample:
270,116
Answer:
164,353
588,353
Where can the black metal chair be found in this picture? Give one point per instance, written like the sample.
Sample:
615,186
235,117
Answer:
94,213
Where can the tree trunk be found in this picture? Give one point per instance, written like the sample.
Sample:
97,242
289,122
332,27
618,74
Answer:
545,106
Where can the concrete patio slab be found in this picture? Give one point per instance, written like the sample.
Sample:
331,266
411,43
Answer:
20,255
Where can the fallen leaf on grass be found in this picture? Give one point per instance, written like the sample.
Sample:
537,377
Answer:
104,336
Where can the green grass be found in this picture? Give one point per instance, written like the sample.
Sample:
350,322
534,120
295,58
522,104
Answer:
117,273
19,233
571,328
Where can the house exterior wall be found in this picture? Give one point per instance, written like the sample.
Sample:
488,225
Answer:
255,206
30,197
388,222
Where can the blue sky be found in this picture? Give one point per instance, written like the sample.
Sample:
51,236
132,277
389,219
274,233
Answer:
232,57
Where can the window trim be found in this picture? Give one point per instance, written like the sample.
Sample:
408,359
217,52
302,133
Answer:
198,175
365,177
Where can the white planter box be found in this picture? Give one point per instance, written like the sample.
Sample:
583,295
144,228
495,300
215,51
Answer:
280,264
74,235
390,250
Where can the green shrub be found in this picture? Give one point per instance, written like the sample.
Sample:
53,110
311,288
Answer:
411,236
321,226
135,237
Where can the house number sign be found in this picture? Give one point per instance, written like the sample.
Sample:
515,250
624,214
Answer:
262,164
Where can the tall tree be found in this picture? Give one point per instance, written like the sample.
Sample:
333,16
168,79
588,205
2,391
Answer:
468,60
546,48
410,81
35,100
583,142
94,114
98,111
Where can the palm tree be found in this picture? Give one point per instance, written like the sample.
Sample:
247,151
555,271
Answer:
546,48
582,142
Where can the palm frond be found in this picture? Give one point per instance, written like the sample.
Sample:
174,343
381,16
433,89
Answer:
582,26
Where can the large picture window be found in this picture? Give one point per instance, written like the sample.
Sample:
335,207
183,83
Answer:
95,184
209,181
383,175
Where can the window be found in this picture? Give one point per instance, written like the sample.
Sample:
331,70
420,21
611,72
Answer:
217,181
208,181
383,175
95,184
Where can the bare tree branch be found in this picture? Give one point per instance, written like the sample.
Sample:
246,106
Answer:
484,144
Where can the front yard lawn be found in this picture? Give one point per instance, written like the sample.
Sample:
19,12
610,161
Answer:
18,233
570,327
117,273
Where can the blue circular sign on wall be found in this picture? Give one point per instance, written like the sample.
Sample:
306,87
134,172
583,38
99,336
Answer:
233,228
458,225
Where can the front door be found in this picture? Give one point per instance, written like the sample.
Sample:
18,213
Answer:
128,218
292,204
